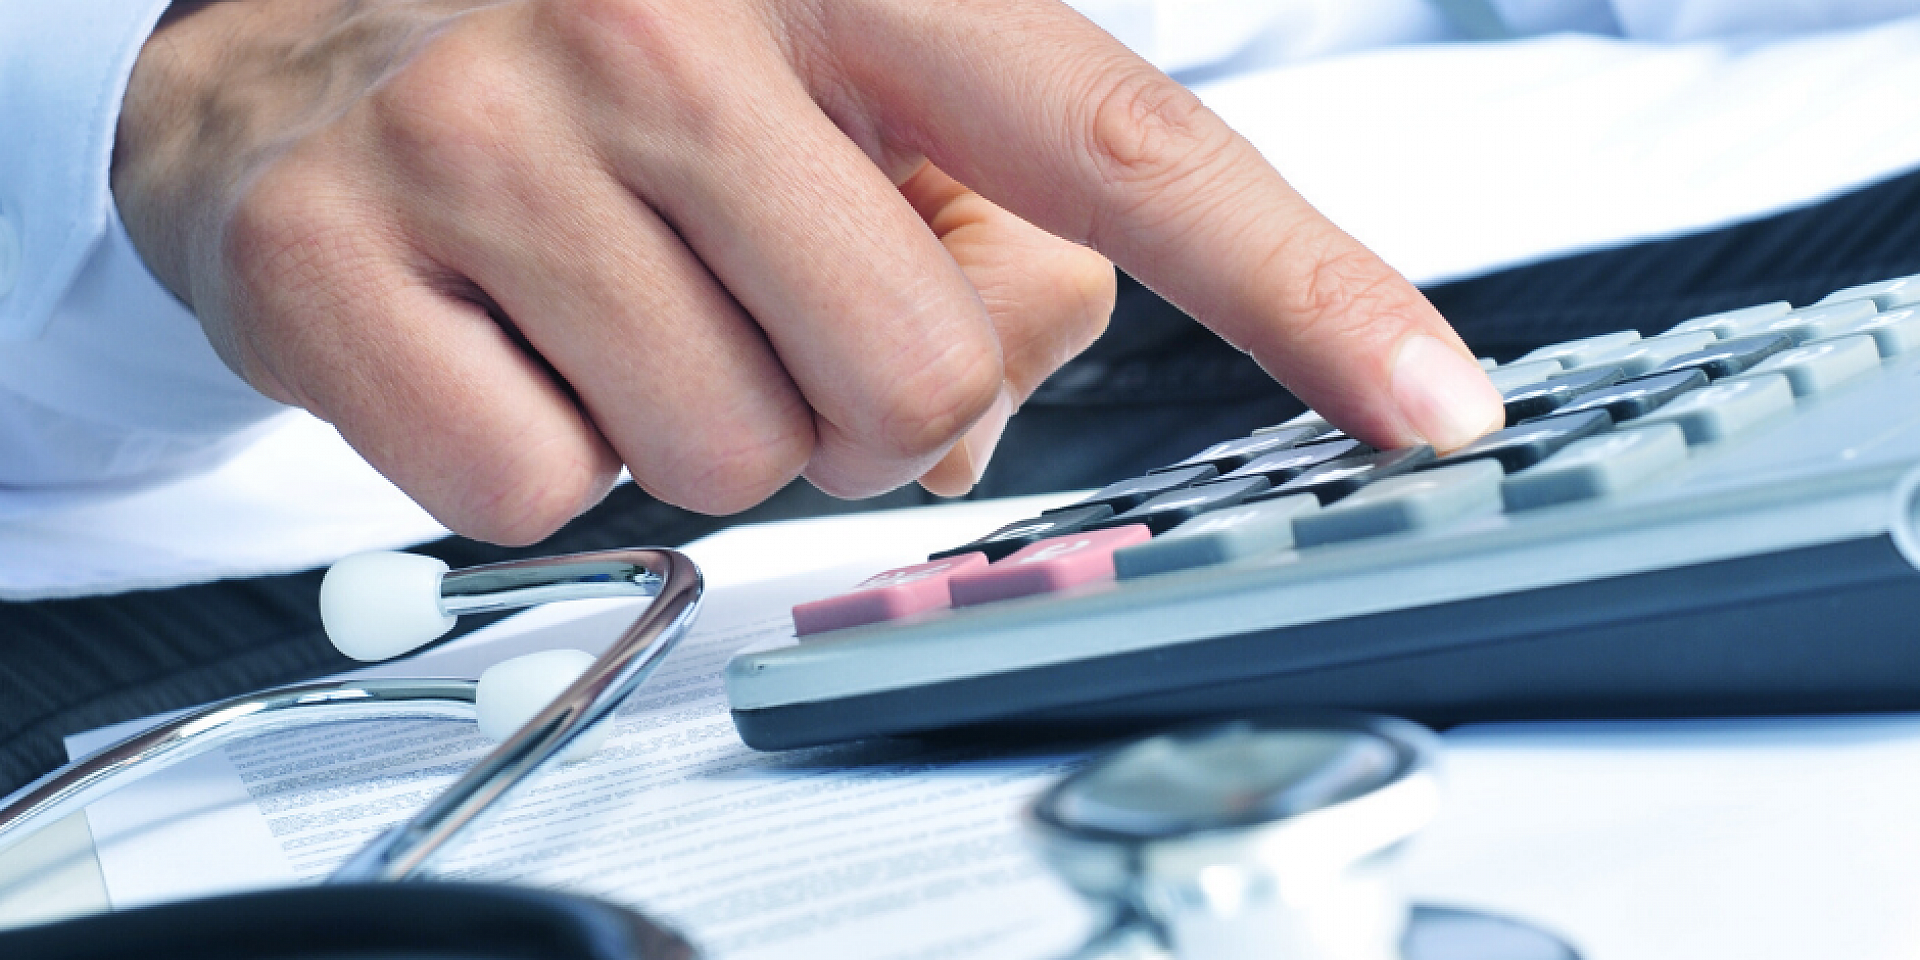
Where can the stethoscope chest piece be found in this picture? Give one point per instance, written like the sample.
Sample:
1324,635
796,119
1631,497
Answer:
1271,838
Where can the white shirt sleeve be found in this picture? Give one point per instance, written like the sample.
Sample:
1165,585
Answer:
104,375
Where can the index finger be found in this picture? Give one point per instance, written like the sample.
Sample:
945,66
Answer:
1044,113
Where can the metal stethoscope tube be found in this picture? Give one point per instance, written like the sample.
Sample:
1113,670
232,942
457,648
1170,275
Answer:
668,576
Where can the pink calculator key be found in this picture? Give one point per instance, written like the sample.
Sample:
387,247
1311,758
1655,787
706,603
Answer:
887,596
1047,566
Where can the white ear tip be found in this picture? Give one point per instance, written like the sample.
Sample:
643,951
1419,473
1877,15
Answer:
379,605
512,691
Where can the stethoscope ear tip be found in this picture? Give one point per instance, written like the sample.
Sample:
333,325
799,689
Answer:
379,605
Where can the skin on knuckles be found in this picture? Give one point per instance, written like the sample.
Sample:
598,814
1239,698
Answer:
505,246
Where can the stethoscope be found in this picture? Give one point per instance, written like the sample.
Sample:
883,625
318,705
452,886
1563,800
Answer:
1267,838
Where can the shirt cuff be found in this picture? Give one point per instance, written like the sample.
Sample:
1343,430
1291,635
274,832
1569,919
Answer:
63,71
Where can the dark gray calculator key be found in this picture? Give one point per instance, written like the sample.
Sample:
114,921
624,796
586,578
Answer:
1128,494
1246,530
1169,510
1308,419
1411,502
1231,454
1637,398
1598,466
1016,536
1333,480
1729,357
1287,464
1529,443
1550,394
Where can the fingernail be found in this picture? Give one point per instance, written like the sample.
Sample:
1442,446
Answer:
1443,395
984,435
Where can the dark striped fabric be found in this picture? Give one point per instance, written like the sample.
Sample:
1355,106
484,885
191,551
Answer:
1153,390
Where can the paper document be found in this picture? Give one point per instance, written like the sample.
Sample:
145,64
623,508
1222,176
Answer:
887,851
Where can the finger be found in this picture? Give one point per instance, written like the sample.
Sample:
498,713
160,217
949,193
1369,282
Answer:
1048,300
869,315
668,367
421,381
1068,129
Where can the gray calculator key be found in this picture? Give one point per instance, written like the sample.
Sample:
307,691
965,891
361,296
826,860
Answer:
1642,356
1885,294
1409,502
1895,332
1578,353
1217,537
1722,324
1487,363
1812,323
1727,409
1597,467
1515,375
1818,367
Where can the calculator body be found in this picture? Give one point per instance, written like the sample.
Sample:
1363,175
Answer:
1775,572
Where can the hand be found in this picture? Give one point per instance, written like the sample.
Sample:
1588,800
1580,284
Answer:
507,246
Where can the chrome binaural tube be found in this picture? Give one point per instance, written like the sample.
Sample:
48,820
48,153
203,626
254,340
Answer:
404,850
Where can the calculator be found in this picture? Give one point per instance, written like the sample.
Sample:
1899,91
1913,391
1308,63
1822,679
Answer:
1718,519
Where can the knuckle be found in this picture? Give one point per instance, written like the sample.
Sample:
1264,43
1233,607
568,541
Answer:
934,404
524,499
1145,129
645,50
1342,289
454,108
743,452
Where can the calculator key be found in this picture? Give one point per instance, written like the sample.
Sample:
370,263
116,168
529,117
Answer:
1724,323
893,595
1168,510
1598,467
1046,567
1243,531
1308,419
1818,367
1411,502
1287,464
1335,479
1231,454
1529,443
1812,323
1885,294
1728,409
1516,375
1726,358
1637,398
1017,536
1578,353
1643,356
1895,332
1487,363
1548,395
1128,494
